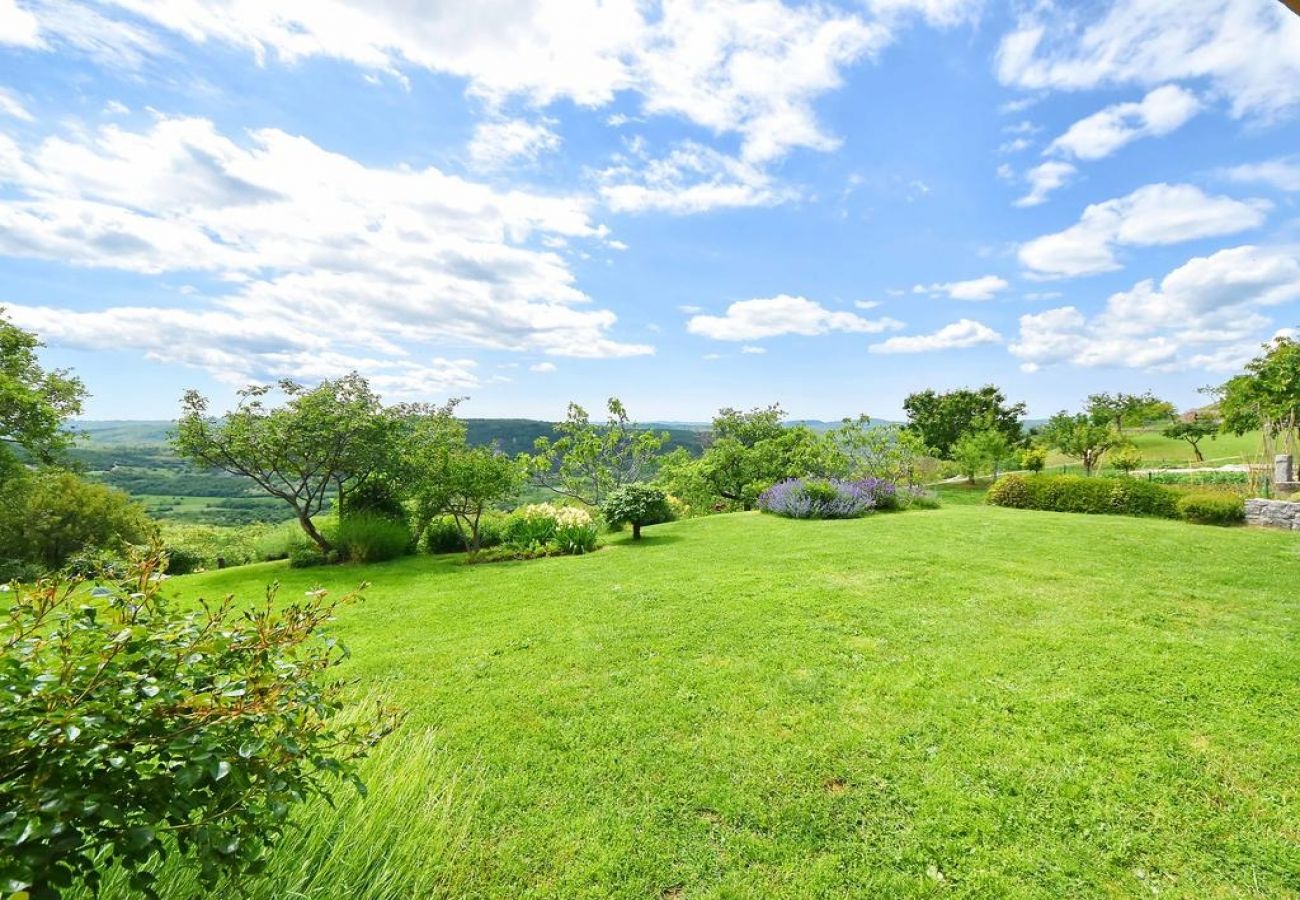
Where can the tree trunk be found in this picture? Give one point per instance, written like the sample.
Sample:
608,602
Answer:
310,528
1197,450
636,531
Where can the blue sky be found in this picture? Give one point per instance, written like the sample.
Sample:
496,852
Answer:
685,204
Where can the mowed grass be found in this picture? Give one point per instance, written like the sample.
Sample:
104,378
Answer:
963,702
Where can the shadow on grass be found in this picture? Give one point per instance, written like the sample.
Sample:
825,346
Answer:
650,539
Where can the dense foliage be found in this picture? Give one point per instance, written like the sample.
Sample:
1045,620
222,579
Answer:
1266,395
939,420
545,529
1078,494
586,461
1217,508
637,505
47,517
1121,409
132,726
34,402
1080,437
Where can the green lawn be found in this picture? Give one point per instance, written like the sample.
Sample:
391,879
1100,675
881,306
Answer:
963,702
1160,451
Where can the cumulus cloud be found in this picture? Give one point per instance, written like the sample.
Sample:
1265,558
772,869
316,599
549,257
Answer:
1152,215
1283,173
1206,313
748,320
1045,178
1248,52
1162,111
750,348
983,288
331,254
501,141
962,333
542,368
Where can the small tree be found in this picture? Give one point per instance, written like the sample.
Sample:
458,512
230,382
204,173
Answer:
636,505
1032,458
976,451
888,452
1120,409
1193,431
319,441
939,420
588,461
47,517
424,440
1126,458
1080,437
132,726
34,403
479,478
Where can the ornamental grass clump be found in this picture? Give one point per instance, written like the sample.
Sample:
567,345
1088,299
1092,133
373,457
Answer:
805,498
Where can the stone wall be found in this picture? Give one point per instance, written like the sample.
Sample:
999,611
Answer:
1273,513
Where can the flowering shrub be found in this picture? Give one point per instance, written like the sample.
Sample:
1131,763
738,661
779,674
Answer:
800,498
541,529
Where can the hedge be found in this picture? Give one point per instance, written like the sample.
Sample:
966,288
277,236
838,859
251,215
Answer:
1078,494
1209,508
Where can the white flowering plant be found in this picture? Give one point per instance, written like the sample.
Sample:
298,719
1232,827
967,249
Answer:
545,529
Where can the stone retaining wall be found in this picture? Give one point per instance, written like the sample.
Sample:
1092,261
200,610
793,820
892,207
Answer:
1273,513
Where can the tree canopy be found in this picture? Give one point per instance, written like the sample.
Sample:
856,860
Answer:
34,402
940,419
586,460
1267,395
1121,409
1081,437
318,441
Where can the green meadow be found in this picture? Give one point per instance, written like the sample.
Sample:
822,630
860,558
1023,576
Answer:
967,702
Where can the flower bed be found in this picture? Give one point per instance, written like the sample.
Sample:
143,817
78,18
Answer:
829,498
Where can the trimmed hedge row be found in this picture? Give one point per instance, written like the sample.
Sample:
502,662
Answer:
1115,496
1078,494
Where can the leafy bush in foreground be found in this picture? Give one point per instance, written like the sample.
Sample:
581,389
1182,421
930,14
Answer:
1212,508
130,727
802,498
1079,494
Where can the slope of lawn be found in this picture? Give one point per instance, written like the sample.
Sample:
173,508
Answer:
968,702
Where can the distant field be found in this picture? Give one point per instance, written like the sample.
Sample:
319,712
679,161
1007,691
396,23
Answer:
967,702
1159,451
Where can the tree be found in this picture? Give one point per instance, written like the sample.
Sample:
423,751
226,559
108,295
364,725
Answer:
976,451
1080,437
321,439
750,451
1266,396
588,461
1193,431
424,439
1126,458
940,419
49,516
636,505
888,452
478,478
1032,458
134,726
1122,409
34,403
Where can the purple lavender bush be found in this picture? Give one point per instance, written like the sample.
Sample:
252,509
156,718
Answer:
804,498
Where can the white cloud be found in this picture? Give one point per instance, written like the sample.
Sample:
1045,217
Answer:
1045,178
1015,146
983,288
1152,215
692,178
1249,52
1160,112
1204,314
342,257
748,320
18,27
11,106
962,333
542,368
866,304
750,348
1283,174
501,141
